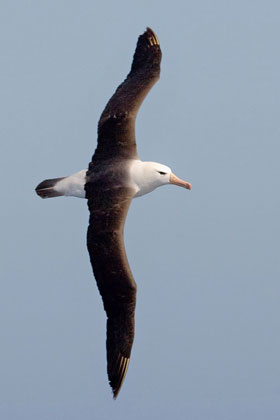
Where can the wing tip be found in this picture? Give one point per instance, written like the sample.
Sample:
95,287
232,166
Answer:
123,366
152,38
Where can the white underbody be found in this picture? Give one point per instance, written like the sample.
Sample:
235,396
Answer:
143,178
73,185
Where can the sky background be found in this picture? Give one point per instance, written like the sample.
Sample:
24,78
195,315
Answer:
206,262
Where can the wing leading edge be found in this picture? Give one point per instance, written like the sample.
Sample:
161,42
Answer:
116,127
114,280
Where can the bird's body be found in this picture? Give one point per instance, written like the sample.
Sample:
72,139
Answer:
114,177
135,176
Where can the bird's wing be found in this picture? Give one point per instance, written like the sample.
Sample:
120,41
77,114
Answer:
116,127
114,279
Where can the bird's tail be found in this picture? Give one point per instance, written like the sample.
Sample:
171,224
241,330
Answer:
46,189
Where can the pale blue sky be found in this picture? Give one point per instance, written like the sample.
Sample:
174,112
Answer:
206,262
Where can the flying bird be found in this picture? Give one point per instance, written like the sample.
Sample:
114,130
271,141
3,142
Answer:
114,177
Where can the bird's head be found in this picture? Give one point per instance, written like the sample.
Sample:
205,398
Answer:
163,175
150,175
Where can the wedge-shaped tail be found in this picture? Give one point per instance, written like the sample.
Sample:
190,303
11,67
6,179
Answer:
46,189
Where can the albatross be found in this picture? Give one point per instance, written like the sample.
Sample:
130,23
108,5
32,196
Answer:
114,177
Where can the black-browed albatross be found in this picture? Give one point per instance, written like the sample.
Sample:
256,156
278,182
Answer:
114,177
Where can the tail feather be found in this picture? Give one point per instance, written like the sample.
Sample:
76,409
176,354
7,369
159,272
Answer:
46,189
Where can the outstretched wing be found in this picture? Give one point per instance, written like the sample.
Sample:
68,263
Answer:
109,198
116,127
114,279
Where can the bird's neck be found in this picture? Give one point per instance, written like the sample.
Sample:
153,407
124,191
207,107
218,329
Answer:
140,178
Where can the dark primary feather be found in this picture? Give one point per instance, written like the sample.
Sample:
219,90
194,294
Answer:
109,199
116,127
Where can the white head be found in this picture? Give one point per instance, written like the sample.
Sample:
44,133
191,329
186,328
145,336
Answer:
149,175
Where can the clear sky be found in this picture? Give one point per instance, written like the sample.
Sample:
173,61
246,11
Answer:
206,262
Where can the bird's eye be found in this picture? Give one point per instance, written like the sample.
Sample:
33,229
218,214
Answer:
162,173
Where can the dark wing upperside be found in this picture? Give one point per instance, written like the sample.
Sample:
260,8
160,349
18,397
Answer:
114,279
116,127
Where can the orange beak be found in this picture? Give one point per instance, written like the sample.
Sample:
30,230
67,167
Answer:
177,181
